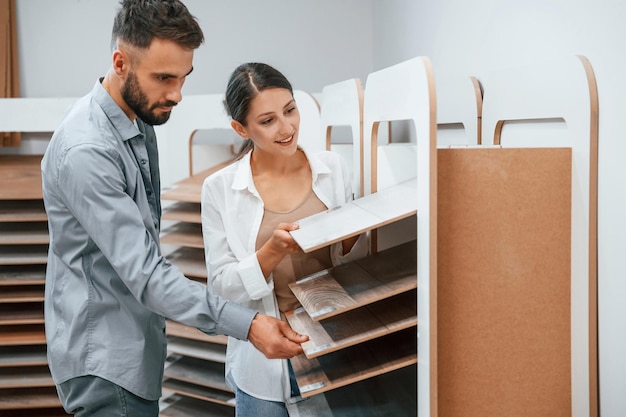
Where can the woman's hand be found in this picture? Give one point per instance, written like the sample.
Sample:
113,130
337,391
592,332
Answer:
279,245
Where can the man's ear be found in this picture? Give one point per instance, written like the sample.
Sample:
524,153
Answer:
240,129
120,63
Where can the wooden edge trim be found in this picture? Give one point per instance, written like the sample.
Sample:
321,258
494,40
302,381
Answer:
479,108
432,244
593,238
191,151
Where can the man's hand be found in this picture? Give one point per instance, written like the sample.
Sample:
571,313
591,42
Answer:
274,338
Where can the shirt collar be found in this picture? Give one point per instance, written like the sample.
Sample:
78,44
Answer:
124,126
243,176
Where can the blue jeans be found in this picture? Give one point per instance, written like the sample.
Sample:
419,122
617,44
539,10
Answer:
91,396
249,406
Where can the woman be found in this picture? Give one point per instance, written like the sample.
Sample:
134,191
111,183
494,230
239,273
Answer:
248,210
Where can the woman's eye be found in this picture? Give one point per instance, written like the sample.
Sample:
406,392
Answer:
266,121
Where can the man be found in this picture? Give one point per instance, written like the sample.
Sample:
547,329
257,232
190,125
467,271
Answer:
108,288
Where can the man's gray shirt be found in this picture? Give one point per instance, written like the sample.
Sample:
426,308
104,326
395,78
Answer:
108,288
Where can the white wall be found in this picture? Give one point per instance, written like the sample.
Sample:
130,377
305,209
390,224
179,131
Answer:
473,38
64,44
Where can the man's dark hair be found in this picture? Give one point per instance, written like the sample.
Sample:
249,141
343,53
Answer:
138,22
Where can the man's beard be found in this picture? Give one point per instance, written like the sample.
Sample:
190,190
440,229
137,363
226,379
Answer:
138,102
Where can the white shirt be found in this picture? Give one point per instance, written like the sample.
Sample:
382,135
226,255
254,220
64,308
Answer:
232,211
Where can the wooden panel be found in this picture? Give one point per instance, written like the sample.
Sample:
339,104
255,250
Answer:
32,233
190,261
21,294
199,392
22,211
349,286
356,326
24,255
33,398
215,352
23,356
503,289
27,313
189,193
179,406
183,234
20,177
183,212
355,364
358,216
22,335
25,376
199,372
177,329
23,275
392,394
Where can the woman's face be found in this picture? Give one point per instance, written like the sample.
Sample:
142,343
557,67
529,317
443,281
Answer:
273,122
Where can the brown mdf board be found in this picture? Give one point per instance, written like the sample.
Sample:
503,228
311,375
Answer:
183,212
199,392
21,294
355,284
215,352
355,326
183,234
358,216
174,328
23,356
28,398
39,412
25,377
190,261
20,177
181,406
503,282
357,363
24,255
22,211
21,313
197,371
22,275
31,334
31,233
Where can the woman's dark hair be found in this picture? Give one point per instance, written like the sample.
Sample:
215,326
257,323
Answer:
138,22
244,84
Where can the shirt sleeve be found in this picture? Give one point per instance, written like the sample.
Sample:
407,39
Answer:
236,278
93,185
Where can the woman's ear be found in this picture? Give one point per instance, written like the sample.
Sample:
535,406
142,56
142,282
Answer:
240,129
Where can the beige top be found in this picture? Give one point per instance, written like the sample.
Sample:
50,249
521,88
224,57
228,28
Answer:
294,265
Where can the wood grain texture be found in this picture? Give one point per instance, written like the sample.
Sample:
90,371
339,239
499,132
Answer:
180,406
183,212
180,330
20,177
199,392
22,275
183,234
24,255
31,233
356,363
21,313
190,261
22,211
25,376
31,334
355,326
352,285
22,294
31,398
23,356
199,372
215,352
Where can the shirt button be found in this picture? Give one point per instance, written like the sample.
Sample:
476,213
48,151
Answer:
143,161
